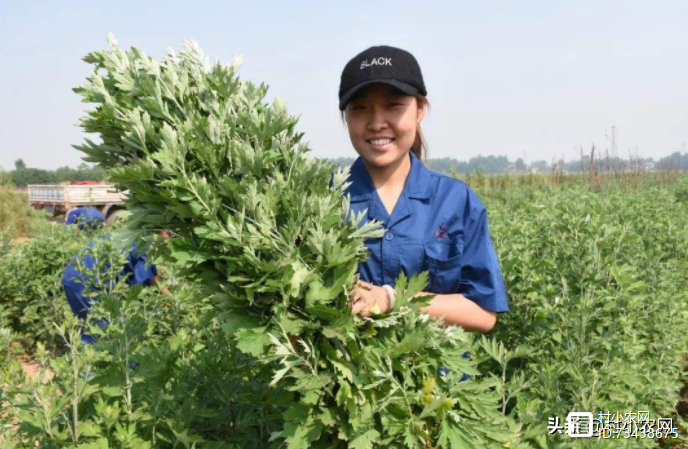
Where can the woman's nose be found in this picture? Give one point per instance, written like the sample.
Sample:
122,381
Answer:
377,119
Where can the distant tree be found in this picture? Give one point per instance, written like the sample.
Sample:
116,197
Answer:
26,176
488,164
5,178
675,161
342,161
499,164
443,165
83,172
22,175
540,165
520,165
64,174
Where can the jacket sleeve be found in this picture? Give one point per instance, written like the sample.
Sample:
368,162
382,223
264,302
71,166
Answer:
481,277
137,268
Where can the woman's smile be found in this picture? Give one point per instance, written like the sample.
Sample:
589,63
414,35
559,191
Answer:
381,144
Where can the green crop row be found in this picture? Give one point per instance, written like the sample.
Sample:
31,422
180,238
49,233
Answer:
599,302
598,316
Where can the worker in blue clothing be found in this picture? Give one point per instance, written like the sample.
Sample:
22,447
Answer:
433,222
85,217
76,280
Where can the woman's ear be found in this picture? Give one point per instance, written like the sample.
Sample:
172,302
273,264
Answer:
422,110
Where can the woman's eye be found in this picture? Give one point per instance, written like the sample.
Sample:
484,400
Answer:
395,104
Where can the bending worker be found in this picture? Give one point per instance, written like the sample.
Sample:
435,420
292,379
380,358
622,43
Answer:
85,217
136,270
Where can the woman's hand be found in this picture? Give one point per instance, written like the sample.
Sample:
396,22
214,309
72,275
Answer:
367,299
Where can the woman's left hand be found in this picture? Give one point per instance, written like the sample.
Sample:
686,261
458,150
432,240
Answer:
368,299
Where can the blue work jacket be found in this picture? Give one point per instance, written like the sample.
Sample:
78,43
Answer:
438,224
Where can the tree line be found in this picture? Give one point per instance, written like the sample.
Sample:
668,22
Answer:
675,161
22,175
502,164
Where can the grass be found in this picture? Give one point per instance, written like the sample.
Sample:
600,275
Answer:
18,218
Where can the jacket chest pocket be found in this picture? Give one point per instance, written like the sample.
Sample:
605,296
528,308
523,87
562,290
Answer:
444,262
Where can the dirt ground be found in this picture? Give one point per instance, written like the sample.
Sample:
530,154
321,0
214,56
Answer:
32,368
19,240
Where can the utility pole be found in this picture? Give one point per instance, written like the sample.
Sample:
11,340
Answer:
613,141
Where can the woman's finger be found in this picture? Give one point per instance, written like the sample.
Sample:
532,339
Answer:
360,305
356,306
366,285
355,297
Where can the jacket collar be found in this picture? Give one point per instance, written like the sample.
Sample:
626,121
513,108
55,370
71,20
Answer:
418,181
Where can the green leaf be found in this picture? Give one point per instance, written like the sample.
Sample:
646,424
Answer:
410,343
252,341
100,443
365,439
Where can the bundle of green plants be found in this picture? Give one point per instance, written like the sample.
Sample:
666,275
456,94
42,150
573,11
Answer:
266,231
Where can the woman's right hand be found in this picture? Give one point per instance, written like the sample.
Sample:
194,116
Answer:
367,299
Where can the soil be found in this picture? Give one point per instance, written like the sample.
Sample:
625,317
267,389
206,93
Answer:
19,240
31,368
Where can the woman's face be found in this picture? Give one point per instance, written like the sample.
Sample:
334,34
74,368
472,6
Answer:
382,123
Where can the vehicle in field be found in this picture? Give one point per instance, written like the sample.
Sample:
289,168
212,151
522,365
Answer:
62,198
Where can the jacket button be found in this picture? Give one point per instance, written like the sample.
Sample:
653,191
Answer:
389,236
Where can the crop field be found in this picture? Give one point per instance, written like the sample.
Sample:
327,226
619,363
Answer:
17,217
249,342
599,312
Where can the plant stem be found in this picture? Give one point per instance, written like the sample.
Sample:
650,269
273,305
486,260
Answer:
75,392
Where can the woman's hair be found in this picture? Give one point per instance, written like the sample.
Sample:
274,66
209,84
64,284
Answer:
419,146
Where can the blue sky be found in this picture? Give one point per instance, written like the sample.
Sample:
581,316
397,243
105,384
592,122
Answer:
533,79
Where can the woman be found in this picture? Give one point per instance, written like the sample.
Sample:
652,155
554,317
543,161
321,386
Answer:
433,222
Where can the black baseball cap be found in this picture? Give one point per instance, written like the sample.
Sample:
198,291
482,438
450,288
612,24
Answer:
381,64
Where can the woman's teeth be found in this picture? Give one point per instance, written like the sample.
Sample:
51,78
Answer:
380,142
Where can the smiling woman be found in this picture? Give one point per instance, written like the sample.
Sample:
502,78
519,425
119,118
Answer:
433,222
377,104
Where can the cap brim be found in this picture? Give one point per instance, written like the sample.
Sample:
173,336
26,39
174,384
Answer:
402,86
